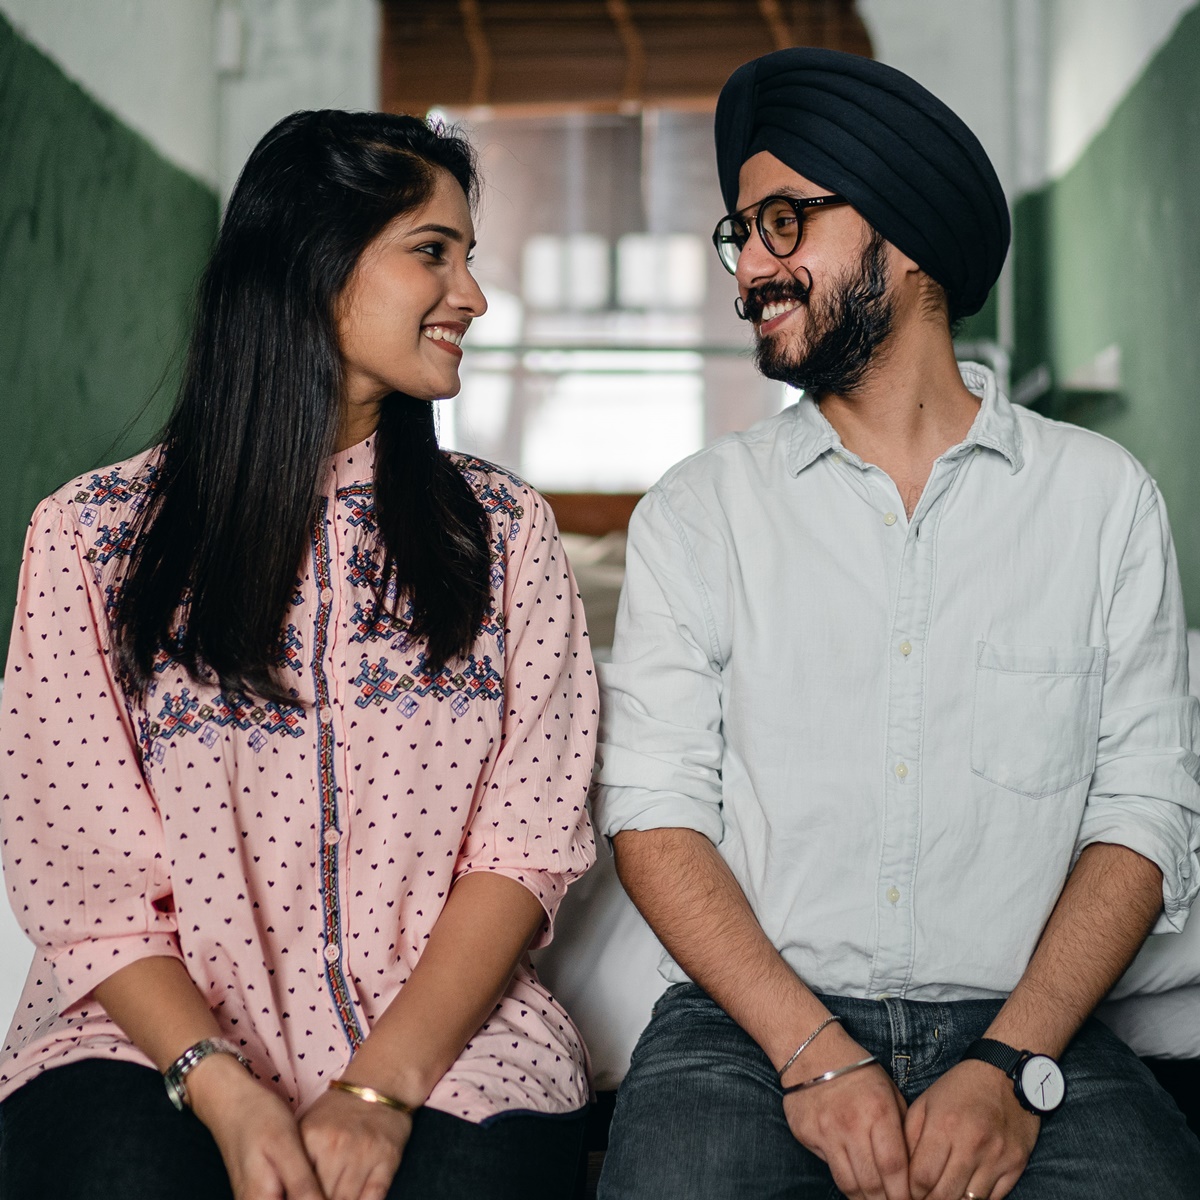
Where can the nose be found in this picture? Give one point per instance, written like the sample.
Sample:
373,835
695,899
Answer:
756,264
468,297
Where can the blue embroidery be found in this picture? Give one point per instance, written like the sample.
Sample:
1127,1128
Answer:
112,543
182,713
112,487
380,684
290,649
363,568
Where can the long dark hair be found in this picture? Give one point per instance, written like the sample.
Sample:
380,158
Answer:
223,535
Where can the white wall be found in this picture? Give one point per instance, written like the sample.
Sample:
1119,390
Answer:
295,54
148,61
203,80
960,51
1035,79
1096,50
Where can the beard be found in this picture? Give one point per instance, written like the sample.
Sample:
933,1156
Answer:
844,331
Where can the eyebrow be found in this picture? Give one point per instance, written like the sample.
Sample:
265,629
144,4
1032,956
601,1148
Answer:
455,235
794,192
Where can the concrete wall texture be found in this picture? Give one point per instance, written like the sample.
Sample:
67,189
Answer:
101,242
1108,269
149,62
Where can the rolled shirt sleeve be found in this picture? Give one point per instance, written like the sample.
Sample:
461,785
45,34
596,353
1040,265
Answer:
532,823
83,846
1145,791
660,741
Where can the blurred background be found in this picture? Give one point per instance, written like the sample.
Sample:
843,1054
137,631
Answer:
611,349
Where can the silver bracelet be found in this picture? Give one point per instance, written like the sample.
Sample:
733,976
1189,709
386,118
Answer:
175,1075
804,1045
834,1074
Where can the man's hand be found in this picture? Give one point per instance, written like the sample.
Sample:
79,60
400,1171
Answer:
354,1146
854,1124
255,1131
968,1133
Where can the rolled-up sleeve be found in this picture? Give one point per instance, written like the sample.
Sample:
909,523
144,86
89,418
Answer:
532,823
660,735
1145,792
84,857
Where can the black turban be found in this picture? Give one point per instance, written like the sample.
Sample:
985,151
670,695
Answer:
870,133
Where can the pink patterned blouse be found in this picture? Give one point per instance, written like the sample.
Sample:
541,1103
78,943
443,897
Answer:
294,858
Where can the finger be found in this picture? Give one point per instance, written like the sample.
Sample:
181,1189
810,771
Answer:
956,1175
982,1186
299,1182
377,1183
1003,1185
843,1173
891,1158
870,1186
928,1164
914,1124
325,1167
352,1180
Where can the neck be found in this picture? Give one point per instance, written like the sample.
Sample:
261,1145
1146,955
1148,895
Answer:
360,417
911,403
911,407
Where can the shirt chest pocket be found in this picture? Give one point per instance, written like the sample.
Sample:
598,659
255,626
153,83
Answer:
1037,716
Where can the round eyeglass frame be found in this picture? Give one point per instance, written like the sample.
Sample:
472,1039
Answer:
733,230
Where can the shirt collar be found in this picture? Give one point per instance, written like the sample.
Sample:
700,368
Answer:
995,428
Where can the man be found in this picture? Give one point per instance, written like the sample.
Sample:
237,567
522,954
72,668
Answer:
898,757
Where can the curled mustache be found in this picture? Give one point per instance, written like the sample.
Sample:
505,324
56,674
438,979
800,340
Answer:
751,309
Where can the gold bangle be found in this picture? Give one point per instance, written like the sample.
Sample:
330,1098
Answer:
371,1096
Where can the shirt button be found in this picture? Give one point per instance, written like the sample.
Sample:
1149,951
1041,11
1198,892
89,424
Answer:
331,952
978,450
901,770
893,895
326,595
905,648
889,518
332,837
325,714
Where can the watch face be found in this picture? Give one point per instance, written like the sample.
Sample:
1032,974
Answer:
1042,1083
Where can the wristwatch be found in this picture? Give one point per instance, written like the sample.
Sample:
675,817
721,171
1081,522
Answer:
1037,1079
189,1060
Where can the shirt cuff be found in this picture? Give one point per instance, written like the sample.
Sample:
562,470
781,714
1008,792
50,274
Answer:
1180,870
621,808
82,966
547,886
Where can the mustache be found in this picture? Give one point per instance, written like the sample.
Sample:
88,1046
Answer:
751,308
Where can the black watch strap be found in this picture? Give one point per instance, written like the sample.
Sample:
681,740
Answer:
997,1054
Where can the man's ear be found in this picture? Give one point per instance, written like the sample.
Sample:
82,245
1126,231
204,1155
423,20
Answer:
901,264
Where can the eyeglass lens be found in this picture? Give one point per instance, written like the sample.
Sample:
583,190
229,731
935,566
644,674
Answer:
779,223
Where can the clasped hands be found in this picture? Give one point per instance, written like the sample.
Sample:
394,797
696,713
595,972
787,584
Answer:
341,1149
965,1135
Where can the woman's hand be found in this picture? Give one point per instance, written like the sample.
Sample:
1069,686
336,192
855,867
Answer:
355,1146
255,1131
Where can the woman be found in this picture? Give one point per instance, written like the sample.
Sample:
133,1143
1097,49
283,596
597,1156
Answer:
299,720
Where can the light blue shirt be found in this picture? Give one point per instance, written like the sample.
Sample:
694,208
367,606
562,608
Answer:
901,733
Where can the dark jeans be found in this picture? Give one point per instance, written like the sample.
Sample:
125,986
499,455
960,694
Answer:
700,1114
105,1130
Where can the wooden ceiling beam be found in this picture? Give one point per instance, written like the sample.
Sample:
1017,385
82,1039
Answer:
481,55
777,26
635,51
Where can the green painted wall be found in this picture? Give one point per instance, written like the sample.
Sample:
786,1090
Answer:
1110,254
101,242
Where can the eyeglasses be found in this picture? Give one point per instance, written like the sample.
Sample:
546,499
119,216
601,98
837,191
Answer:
779,221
